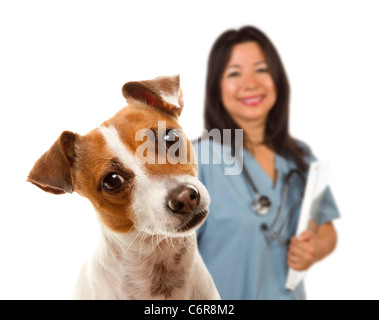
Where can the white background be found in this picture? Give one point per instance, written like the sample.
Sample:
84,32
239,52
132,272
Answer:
62,66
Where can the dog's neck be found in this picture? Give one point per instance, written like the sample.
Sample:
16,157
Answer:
138,263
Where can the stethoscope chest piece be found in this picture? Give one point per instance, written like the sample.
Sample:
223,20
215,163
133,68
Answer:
262,205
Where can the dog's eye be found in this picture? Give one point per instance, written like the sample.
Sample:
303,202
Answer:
113,181
171,137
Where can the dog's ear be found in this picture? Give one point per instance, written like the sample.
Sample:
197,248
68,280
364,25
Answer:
162,92
53,171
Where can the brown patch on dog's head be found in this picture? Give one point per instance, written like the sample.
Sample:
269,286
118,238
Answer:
96,163
137,117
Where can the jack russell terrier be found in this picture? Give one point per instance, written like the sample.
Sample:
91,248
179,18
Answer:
148,206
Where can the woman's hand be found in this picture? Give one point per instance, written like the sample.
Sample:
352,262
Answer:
302,251
311,247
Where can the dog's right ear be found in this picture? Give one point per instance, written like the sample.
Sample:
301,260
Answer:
163,93
53,172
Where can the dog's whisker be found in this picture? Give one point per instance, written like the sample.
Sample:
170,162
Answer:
159,247
159,240
127,249
168,242
181,242
152,244
169,259
191,240
141,245
174,244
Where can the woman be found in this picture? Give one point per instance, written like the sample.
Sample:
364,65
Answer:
247,89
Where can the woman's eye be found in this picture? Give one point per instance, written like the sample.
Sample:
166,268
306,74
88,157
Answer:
262,70
170,138
233,74
113,181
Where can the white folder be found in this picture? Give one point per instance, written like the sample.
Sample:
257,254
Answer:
314,191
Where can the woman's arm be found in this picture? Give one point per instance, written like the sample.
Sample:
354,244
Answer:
311,247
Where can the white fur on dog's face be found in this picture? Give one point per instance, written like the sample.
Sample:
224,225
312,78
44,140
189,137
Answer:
150,211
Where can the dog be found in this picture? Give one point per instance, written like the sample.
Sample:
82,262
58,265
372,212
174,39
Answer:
138,172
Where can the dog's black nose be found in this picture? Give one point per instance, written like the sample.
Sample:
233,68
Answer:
183,199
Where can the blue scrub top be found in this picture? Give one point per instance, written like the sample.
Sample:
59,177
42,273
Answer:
243,262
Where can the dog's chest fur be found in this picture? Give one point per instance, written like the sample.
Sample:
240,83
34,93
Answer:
141,266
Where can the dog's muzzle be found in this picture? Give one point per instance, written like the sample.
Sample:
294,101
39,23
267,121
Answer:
183,202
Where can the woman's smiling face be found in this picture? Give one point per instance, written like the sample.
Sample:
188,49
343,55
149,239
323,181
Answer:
247,89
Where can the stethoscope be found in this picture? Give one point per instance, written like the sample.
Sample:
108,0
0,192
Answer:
262,204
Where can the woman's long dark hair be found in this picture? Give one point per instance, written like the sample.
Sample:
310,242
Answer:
216,116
